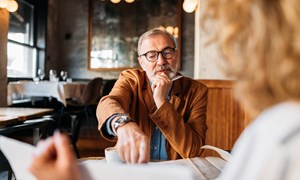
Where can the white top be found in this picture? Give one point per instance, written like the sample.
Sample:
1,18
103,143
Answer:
269,148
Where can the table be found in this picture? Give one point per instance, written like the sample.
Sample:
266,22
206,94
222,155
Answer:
6,120
14,120
200,168
10,115
18,119
59,90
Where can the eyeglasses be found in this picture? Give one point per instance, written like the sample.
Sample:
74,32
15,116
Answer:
152,56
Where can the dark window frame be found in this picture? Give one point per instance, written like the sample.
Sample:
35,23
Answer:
39,34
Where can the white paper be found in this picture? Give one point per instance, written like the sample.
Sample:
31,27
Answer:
223,154
19,156
99,169
216,162
203,168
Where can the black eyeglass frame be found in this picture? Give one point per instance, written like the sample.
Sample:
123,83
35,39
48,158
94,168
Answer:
159,52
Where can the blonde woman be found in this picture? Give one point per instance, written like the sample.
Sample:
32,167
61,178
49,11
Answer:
260,40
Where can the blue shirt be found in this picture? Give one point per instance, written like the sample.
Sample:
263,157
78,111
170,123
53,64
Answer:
158,145
158,142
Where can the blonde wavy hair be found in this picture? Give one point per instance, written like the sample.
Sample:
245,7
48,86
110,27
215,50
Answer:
260,40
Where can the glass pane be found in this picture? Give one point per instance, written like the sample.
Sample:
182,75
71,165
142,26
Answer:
21,61
41,59
21,24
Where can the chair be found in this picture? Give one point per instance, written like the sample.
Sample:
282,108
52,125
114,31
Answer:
91,96
108,86
5,166
76,110
76,121
92,92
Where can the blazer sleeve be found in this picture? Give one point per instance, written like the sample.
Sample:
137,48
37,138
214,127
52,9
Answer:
117,101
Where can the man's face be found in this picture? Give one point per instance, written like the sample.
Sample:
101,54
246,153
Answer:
161,65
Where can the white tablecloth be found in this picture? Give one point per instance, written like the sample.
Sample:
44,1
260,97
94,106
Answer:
59,90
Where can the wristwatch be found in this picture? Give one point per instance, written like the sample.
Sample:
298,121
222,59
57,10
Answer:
122,120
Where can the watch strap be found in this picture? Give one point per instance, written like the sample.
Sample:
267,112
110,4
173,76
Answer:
109,126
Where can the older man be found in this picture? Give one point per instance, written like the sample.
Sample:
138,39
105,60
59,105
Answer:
149,113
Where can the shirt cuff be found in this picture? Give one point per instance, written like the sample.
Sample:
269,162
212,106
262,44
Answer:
108,126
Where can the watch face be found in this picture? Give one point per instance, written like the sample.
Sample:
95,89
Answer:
121,121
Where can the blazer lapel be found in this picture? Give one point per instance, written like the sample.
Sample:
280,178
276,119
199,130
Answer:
148,97
176,90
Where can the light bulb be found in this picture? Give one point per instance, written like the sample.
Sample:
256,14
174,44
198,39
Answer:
3,3
12,6
129,1
170,29
162,27
189,5
115,1
175,33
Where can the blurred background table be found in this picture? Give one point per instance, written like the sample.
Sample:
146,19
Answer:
10,115
18,122
14,120
59,90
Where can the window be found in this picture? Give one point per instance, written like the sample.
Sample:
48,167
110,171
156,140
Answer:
21,60
22,48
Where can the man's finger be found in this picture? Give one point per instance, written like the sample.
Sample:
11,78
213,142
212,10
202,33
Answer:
144,152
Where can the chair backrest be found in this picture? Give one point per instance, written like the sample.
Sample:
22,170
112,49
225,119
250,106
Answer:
108,86
4,163
92,92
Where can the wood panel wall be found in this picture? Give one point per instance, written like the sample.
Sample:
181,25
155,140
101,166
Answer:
225,118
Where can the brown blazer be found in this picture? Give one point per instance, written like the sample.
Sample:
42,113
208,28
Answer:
182,120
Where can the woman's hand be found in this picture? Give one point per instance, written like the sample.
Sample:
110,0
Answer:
54,159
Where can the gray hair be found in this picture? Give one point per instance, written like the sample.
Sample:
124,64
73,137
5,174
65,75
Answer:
155,31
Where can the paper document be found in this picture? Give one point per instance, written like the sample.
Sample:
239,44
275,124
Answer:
99,169
223,154
19,156
203,168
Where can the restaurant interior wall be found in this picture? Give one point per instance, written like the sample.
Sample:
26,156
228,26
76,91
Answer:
67,40
209,62
3,56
